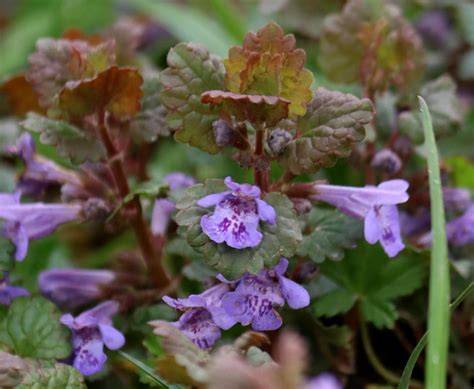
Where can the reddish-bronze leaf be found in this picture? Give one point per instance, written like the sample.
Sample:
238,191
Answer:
21,97
57,61
116,90
255,108
269,64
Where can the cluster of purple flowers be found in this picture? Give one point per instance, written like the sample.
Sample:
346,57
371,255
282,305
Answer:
24,222
250,300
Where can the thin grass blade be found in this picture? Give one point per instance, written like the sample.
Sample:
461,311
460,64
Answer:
438,306
408,370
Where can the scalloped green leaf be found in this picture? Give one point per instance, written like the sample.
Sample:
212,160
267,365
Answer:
372,42
58,376
445,107
367,276
278,240
333,123
191,71
331,232
70,141
31,328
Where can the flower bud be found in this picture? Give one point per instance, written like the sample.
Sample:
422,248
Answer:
223,133
71,288
96,209
278,140
386,161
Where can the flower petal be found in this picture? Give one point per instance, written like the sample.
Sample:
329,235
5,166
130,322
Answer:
111,337
266,212
161,216
235,222
89,356
295,295
212,199
384,219
197,325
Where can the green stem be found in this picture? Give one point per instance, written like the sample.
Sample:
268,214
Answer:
438,306
405,379
373,359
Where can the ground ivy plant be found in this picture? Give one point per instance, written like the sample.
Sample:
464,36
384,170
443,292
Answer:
196,277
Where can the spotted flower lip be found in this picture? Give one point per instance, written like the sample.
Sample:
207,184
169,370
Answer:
203,315
8,293
376,205
41,172
91,330
256,295
72,288
236,216
32,221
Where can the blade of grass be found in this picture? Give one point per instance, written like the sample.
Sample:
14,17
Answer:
145,369
188,24
438,306
230,18
407,372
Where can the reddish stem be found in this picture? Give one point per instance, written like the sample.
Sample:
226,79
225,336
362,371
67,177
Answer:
142,232
261,176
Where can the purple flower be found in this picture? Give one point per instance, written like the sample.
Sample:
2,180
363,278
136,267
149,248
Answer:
164,208
8,293
203,315
160,218
236,215
376,205
40,172
32,221
456,199
324,381
90,331
459,231
178,180
71,288
256,296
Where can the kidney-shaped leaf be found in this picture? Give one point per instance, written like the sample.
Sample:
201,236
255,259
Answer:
333,123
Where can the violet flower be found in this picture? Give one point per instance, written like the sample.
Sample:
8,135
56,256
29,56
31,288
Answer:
203,315
40,172
71,288
164,208
459,231
257,295
456,199
8,293
376,205
236,215
32,221
178,180
90,331
324,381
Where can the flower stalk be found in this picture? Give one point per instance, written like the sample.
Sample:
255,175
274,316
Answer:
151,255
